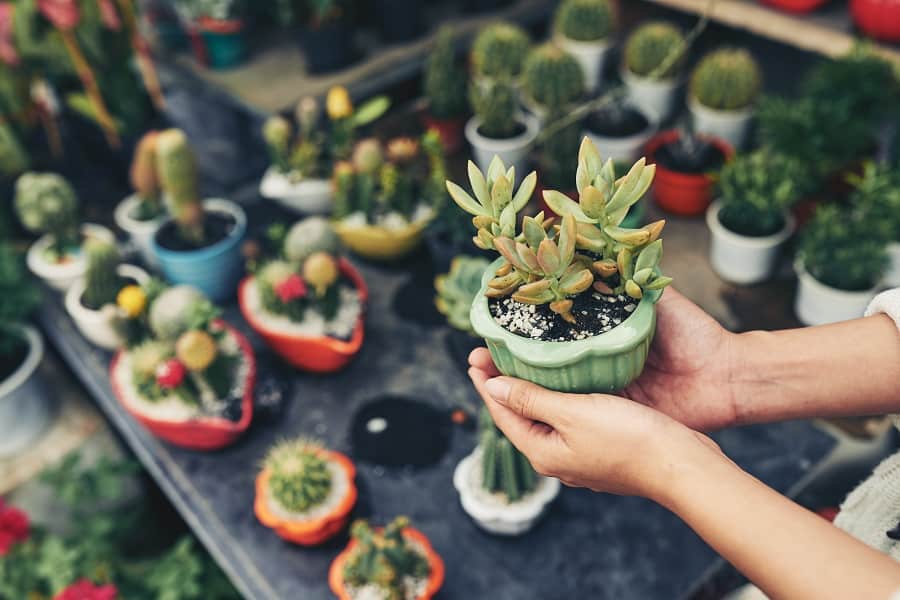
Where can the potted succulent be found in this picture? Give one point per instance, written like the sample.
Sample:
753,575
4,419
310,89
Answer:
583,28
25,408
393,563
306,302
652,66
552,80
751,220
621,128
140,214
305,492
877,194
302,155
380,209
46,203
92,301
839,264
723,89
795,6
199,243
497,486
551,307
879,19
444,84
185,375
685,167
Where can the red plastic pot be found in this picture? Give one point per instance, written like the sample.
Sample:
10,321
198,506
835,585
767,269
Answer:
450,130
686,194
878,18
204,433
795,6
316,354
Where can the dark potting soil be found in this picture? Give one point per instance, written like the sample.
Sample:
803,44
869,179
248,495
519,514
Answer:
594,314
216,227
13,360
393,431
617,122
518,130
703,159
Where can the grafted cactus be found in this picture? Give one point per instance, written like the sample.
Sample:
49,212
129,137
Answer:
196,349
144,177
495,104
651,45
553,78
457,289
300,478
320,270
102,282
178,174
308,236
498,51
585,20
46,203
726,79
503,468
384,559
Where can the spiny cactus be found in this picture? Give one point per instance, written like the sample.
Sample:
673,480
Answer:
102,282
585,20
457,289
384,559
308,236
178,174
300,478
445,79
726,79
320,270
494,102
434,191
498,51
553,78
651,45
144,178
504,469
345,119
147,356
171,310
196,349
277,135
46,203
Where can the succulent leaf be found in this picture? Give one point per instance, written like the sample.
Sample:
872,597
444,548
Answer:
563,205
549,257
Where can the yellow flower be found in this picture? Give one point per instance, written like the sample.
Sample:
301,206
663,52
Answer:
132,300
338,103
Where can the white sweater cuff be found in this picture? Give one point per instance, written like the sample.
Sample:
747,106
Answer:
887,302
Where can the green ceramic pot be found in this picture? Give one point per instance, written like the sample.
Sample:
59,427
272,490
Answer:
604,363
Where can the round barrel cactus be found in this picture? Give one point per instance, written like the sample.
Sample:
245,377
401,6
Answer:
46,203
553,78
311,235
499,50
653,44
726,79
585,20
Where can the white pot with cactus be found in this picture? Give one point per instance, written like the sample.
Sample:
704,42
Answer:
723,89
141,213
584,29
497,486
552,82
652,66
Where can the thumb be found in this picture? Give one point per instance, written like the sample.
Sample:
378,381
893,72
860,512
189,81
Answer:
528,400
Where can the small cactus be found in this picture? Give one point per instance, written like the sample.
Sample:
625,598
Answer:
504,469
308,236
457,289
277,135
320,270
46,203
445,79
368,155
196,350
585,20
653,44
300,478
178,174
726,79
553,78
384,559
144,177
170,311
146,357
102,282
495,104
499,50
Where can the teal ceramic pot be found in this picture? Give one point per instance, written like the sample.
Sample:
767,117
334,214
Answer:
603,363
223,43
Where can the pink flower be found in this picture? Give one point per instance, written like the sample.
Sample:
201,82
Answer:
291,288
63,14
14,527
86,590
170,374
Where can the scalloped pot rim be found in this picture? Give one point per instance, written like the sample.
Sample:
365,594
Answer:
623,337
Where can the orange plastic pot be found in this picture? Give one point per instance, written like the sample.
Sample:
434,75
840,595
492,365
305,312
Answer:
317,354
435,579
202,433
878,18
795,6
310,532
686,194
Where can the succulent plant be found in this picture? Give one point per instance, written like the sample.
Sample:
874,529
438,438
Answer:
504,469
552,77
726,79
46,203
585,20
457,289
651,45
18,296
384,558
498,51
320,270
171,311
445,78
495,103
144,178
308,236
102,282
300,478
177,167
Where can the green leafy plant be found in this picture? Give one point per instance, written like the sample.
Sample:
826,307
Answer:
726,79
585,20
300,478
552,77
504,469
877,196
499,51
102,281
18,297
445,78
46,203
650,45
384,558
495,104
178,175
457,289
756,190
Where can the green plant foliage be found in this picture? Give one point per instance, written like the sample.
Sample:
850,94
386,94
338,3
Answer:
445,78
756,190
648,47
586,20
102,282
384,558
46,203
18,296
499,50
504,469
877,195
300,478
726,79
495,104
457,289
552,77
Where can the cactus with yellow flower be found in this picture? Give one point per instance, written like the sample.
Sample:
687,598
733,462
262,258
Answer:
346,119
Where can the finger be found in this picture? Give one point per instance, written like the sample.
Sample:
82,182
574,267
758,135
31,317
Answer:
480,358
532,401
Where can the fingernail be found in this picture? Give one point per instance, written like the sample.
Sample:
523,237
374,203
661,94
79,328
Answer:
498,389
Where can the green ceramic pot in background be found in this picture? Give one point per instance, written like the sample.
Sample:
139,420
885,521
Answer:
603,363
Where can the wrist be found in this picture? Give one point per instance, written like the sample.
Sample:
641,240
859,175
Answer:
687,471
749,376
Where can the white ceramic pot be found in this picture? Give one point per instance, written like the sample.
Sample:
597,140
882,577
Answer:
307,196
140,232
729,125
892,274
740,258
590,55
496,516
25,408
99,326
627,148
61,276
656,96
820,304
513,151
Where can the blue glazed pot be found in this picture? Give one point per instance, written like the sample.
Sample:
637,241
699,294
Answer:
223,43
214,270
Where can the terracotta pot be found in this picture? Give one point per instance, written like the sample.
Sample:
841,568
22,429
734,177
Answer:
316,354
878,18
315,531
435,579
686,194
202,433
450,130
795,6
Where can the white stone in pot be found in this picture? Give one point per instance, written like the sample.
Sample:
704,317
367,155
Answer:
140,232
512,151
820,304
307,196
25,407
61,276
729,125
98,326
591,56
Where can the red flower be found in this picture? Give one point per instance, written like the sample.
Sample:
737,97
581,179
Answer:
14,527
170,374
63,14
291,288
86,590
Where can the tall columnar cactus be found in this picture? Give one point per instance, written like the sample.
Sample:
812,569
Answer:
653,44
144,177
553,78
726,79
499,50
494,103
46,203
300,478
277,135
178,174
308,236
445,79
102,282
585,20
503,468
457,289
384,559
